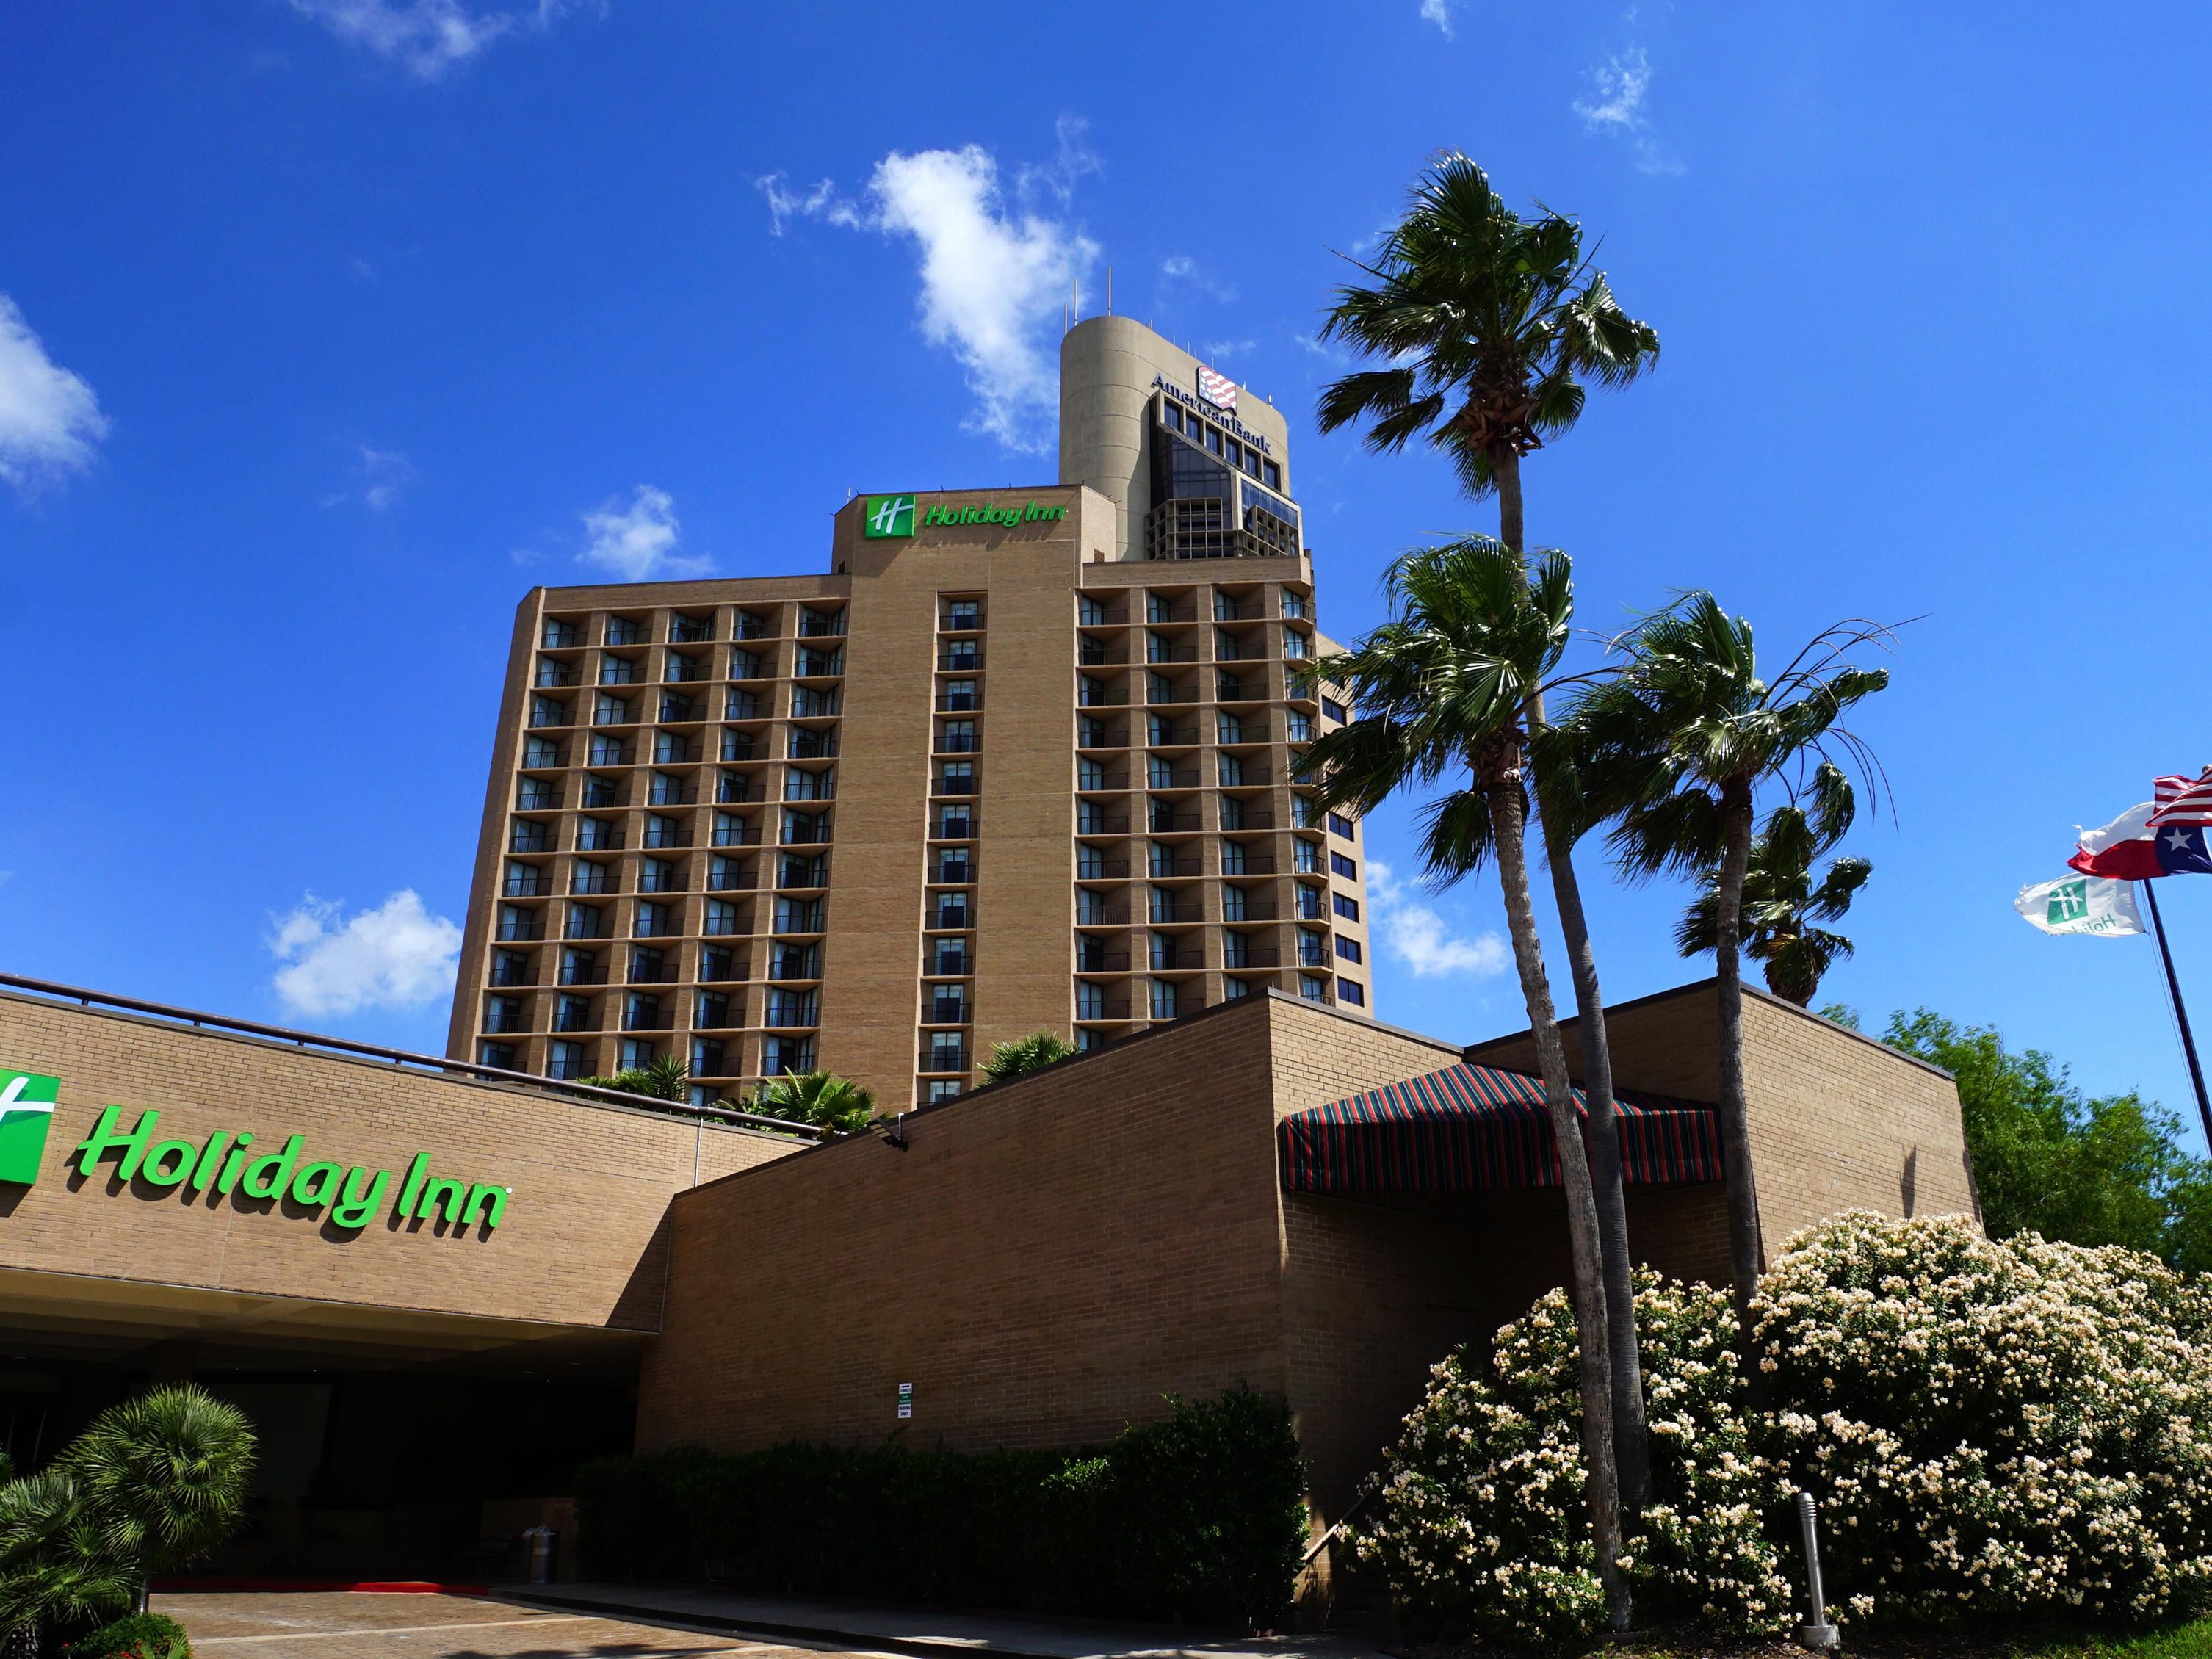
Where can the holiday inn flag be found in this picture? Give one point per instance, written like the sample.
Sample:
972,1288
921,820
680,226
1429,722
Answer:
2081,904
26,1109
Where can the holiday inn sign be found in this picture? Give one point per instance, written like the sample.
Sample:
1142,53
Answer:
228,1163
897,515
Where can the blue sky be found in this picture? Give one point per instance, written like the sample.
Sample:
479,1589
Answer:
330,327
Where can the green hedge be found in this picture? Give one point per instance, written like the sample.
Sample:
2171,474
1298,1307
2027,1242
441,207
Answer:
134,1635
1201,1517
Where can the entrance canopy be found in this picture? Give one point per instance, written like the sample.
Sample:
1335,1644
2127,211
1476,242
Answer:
1469,1128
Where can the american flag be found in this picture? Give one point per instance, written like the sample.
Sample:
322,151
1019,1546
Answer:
1217,389
2181,800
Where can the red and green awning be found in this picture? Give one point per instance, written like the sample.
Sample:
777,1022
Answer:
1467,1128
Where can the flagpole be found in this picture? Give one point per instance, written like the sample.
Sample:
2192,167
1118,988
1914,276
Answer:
2180,1011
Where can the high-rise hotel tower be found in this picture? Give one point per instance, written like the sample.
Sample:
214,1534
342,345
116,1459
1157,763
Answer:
1019,760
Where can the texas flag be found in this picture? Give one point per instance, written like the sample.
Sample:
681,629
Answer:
2161,837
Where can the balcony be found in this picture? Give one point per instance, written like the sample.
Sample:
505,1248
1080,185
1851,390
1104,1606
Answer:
544,757
504,976
951,702
671,926
531,838
648,1019
738,746
955,826
951,919
610,843
958,783
1174,915
1173,777
1185,864
651,973
553,675
690,630
738,925
750,627
1234,820
1173,824
739,791
817,664
680,669
734,969
1117,738
944,1011
1100,824
568,1021
1158,653
1159,697
596,884
1089,614
949,622
520,932
1100,961
570,976
671,793
1173,737
813,625
732,881
951,964
665,881
1240,611
961,874
498,1022
1100,783
587,928
810,745
1102,870
960,661
1167,616
730,836
670,751
534,884
661,839
814,834
943,1061
1103,915
1313,956
1187,960
1236,955
1249,910
1099,654
1250,864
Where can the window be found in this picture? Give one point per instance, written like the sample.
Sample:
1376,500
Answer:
1294,606
536,795
952,910
1347,948
780,1054
1160,904
1309,902
1232,813
959,696
1157,610
746,664
808,705
647,966
719,962
517,923
955,778
942,1089
1162,816
658,876
1213,439
666,790
1235,990
730,831
1224,645
510,968
1344,906
953,867
565,1061
1229,728
1350,991
560,636
813,623
948,1052
525,835
799,784
742,706
949,956
1159,688
1313,987
655,921
1173,414
584,922
1159,771
798,916
1294,645
690,630
1298,726
581,967
1305,857
617,671
956,823
707,1057
736,746
501,1054
675,706
1163,999
1091,908
661,830
1340,825
1232,771
944,1005
726,874
600,792
572,1014
608,751
1271,475
1090,999
1159,859
751,625
963,615
1305,812
1086,1040
1158,648
1091,694
587,878
504,1014
669,748
1091,818
1235,902
1340,866
794,962
1233,857
724,918
1313,948
641,1012
637,1053
810,664
548,711
794,1007
958,737
541,753
1335,710
795,869
1089,612
625,630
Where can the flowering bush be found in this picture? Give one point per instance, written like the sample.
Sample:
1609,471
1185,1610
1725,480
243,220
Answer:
1481,1526
2018,1430
2015,1428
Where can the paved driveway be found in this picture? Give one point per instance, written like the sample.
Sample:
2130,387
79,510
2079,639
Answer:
357,1626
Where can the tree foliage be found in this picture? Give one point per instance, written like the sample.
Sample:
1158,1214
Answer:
822,1098
2047,1158
1784,905
1023,1055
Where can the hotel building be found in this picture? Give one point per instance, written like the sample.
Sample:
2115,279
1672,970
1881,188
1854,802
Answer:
1016,760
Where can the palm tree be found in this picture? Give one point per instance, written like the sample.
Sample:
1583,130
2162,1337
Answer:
55,1564
1451,682
1033,1052
167,1473
665,1079
1490,324
823,1098
1783,905
1676,747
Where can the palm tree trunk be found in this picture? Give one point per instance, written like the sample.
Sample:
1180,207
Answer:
1631,1437
1508,829
1746,1253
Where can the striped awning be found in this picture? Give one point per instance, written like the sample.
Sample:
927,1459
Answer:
1470,1126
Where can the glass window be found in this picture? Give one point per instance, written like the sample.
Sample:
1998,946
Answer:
950,957
799,915
961,615
1232,858
780,1054
955,737
583,922
658,876
1213,439
503,1014
1305,858
942,1089
717,961
666,790
1229,728
541,753
1163,999
1309,902
1089,612
565,1061
1232,771
617,671
707,1057
1271,475
1313,987
958,696
637,1053
1294,645
661,830
948,1051
501,1054
536,795
1350,991
742,706
647,966
952,910
548,711
1340,865
1340,825
954,822
724,918
581,967
559,635
1347,948
1089,774
516,922
1335,710
1298,726
1294,606
1345,906
1173,415
1313,948
587,878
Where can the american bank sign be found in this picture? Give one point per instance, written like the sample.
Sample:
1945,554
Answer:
234,1162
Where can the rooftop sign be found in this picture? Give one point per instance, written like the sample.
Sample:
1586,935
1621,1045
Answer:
1221,416
894,515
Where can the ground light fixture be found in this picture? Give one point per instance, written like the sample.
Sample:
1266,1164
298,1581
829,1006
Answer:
1816,1633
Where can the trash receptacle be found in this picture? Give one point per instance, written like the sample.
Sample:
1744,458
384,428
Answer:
539,1542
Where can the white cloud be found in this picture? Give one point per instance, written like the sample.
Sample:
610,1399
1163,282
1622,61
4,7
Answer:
1421,939
1439,13
1219,350
1621,83
396,955
427,38
1181,269
993,272
385,474
638,542
49,418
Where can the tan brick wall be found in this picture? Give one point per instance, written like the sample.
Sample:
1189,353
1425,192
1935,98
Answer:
579,1244
1838,1120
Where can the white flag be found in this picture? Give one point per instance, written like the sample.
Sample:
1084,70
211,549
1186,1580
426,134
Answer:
2081,904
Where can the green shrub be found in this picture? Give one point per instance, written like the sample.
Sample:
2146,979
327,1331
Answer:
1200,1516
137,1636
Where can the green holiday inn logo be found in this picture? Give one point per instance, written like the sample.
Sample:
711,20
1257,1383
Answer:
26,1109
890,515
